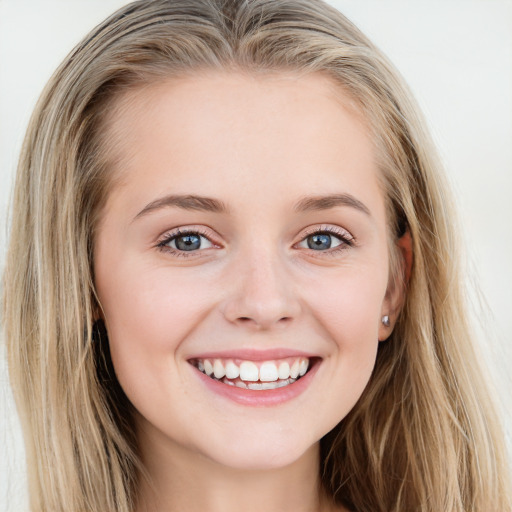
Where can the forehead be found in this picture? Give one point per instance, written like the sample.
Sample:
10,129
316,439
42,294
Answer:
217,132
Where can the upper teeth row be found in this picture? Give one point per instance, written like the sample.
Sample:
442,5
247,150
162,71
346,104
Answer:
268,371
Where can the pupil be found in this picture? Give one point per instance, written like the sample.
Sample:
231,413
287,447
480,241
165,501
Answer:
188,242
319,241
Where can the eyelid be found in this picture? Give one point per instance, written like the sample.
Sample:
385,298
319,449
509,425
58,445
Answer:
346,238
171,234
338,231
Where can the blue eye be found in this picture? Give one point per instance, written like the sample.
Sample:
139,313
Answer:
187,242
324,240
319,242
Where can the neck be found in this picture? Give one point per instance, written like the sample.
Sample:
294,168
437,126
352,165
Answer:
181,479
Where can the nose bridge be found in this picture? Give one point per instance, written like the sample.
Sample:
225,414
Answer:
263,294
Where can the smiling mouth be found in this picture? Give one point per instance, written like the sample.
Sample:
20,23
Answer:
255,375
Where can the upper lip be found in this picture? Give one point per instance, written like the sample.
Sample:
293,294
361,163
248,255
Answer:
253,354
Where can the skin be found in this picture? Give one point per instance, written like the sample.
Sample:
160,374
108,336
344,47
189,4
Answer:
259,145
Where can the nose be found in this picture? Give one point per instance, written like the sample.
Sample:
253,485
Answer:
262,295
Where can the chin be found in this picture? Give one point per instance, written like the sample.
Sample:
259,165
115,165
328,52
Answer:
262,453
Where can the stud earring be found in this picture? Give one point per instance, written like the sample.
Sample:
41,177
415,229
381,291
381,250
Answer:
385,320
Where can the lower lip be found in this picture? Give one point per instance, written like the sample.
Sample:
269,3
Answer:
259,398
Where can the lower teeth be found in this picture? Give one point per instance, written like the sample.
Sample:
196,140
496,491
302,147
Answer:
257,385
270,385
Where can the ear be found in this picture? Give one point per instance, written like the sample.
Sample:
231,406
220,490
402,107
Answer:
397,286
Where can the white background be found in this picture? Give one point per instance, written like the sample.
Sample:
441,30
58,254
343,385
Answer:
455,54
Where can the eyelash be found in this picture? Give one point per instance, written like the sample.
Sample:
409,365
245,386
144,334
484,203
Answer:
346,239
169,237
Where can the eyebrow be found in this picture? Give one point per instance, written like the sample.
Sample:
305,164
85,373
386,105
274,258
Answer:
311,203
208,204
185,202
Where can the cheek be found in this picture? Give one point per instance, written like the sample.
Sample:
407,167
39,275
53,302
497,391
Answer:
348,307
349,303
150,306
148,313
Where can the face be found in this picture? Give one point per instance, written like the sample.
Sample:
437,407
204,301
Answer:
242,263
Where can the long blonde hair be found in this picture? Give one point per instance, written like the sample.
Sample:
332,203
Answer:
424,436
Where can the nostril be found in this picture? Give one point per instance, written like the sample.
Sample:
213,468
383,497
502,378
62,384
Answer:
246,319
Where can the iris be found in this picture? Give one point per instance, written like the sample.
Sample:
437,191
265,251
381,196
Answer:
189,242
319,241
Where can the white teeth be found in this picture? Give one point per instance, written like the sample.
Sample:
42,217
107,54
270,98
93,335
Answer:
232,370
284,370
268,372
208,368
303,366
269,385
218,369
269,375
294,370
255,385
283,383
249,371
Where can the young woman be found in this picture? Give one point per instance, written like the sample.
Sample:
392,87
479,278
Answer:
232,280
